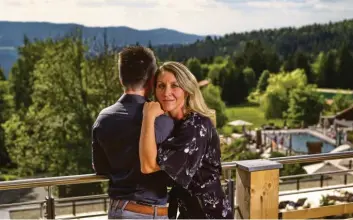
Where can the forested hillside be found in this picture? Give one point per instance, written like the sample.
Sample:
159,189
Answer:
285,42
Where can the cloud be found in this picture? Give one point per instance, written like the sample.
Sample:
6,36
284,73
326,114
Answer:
191,16
334,6
114,3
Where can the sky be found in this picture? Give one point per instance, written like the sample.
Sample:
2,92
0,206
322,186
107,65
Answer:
203,17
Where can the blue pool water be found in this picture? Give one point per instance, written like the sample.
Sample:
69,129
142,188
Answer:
299,142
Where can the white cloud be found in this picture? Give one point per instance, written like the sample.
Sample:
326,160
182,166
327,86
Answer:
271,4
191,16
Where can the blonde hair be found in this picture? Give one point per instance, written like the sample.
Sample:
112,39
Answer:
187,81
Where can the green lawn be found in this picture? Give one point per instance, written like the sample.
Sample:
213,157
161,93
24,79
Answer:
7,177
250,113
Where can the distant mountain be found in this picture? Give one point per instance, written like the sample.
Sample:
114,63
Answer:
12,33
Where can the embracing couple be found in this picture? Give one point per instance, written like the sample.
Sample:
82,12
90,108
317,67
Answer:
144,147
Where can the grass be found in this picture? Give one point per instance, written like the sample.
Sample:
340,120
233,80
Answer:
7,177
250,113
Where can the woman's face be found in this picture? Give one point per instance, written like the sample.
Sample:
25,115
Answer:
169,94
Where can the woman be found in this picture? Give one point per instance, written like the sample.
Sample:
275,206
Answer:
191,156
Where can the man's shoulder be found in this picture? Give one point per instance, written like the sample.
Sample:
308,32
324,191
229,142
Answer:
164,125
120,112
107,113
111,109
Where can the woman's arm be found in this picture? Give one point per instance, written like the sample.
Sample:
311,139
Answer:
148,146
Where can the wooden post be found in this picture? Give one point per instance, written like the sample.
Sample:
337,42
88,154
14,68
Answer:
257,186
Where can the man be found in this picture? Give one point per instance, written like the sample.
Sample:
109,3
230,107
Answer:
115,143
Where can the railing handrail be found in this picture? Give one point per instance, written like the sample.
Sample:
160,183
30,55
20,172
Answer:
90,178
301,158
286,193
313,157
83,198
315,174
37,202
51,181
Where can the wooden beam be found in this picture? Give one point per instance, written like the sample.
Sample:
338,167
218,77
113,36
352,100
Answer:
318,212
257,189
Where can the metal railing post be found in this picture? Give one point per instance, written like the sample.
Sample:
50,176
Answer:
50,205
105,205
41,210
346,176
231,189
73,208
229,174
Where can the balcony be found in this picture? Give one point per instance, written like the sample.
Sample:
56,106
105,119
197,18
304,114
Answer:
253,187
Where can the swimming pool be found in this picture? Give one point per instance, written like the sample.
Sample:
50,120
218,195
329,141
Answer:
299,141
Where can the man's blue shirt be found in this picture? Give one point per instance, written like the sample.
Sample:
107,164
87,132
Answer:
115,144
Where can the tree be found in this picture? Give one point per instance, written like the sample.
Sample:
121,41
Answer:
195,68
4,110
302,61
247,155
273,62
21,75
330,70
69,90
292,169
234,88
249,78
214,74
218,60
318,69
305,106
274,103
254,56
344,68
324,70
341,102
212,96
288,169
263,81
2,74
288,64
275,100
278,44
231,152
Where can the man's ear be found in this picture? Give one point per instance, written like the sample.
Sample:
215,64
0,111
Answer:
121,83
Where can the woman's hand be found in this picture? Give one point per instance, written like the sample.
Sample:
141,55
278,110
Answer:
152,110
148,147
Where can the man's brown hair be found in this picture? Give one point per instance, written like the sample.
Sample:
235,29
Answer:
137,65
